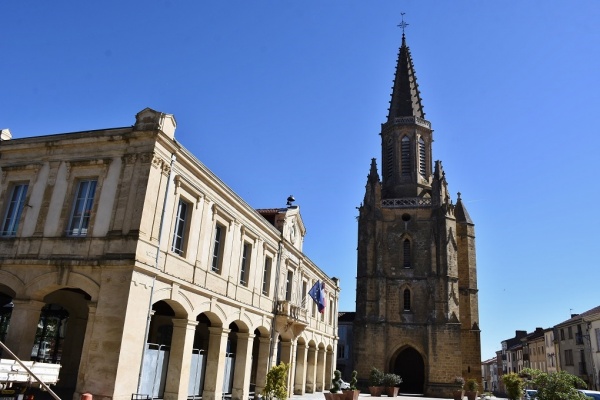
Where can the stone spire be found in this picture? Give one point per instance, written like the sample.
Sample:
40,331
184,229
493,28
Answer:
406,99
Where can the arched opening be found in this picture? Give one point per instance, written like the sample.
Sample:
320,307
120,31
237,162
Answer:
410,366
6,307
156,353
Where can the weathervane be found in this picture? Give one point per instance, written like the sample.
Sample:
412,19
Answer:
402,24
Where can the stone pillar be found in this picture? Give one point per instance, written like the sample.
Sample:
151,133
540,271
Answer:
311,370
328,369
320,370
178,372
243,366
23,326
263,364
300,375
288,356
85,350
274,350
215,363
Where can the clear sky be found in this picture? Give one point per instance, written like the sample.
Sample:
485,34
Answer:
287,97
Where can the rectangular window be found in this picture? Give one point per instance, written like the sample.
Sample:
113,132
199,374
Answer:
570,331
288,285
217,256
562,334
266,283
245,267
82,208
180,228
568,357
597,339
304,294
14,210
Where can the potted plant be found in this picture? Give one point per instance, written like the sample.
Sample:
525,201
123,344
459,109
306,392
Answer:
391,383
458,393
353,392
376,382
335,393
472,386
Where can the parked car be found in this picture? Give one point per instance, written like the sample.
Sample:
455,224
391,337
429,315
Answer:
591,393
529,394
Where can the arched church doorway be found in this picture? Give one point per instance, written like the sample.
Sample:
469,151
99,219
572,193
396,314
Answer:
410,366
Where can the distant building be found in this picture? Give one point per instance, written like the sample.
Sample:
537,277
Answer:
550,347
128,261
417,309
344,346
575,338
489,375
534,353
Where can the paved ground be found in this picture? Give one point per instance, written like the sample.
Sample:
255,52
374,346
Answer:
367,396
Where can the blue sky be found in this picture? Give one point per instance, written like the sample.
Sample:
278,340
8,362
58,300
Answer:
287,97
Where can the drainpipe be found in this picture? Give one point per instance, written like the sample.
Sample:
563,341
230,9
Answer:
156,261
277,269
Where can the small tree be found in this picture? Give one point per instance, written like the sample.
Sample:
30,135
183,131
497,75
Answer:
276,385
514,385
353,380
391,380
556,386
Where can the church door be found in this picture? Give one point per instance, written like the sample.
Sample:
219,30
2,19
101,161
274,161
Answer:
409,365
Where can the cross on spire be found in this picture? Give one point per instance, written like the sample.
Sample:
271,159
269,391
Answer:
402,24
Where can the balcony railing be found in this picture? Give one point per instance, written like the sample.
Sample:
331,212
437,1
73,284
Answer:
291,311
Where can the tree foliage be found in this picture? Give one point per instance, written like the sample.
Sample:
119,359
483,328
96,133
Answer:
276,386
514,385
556,386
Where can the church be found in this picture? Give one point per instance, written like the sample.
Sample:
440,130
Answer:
416,295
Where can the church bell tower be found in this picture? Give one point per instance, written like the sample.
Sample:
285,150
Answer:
416,294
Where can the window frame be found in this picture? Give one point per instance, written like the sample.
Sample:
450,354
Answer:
406,300
87,201
266,279
245,263
218,247
181,228
14,209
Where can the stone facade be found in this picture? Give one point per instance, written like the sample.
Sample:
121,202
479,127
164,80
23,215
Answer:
129,262
416,269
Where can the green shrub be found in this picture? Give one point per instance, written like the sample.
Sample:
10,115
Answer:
375,377
336,381
555,386
391,380
472,385
353,380
276,386
514,385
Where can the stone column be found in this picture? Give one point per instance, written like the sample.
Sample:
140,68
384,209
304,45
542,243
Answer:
263,364
85,350
320,370
243,366
178,372
300,375
288,356
328,369
23,326
215,363
311,369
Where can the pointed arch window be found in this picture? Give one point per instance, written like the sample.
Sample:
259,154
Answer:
405,155
406,253
406,300
422,158
389,162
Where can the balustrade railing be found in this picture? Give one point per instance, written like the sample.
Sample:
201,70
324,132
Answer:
407,202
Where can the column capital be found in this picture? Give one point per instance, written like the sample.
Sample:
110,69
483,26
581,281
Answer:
218,331
184,323
29,304
245,335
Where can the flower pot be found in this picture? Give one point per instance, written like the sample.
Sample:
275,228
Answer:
458,394
376,390
351,394
392,391
471,395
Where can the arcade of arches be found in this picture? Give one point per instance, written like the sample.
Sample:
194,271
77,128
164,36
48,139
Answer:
205,355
